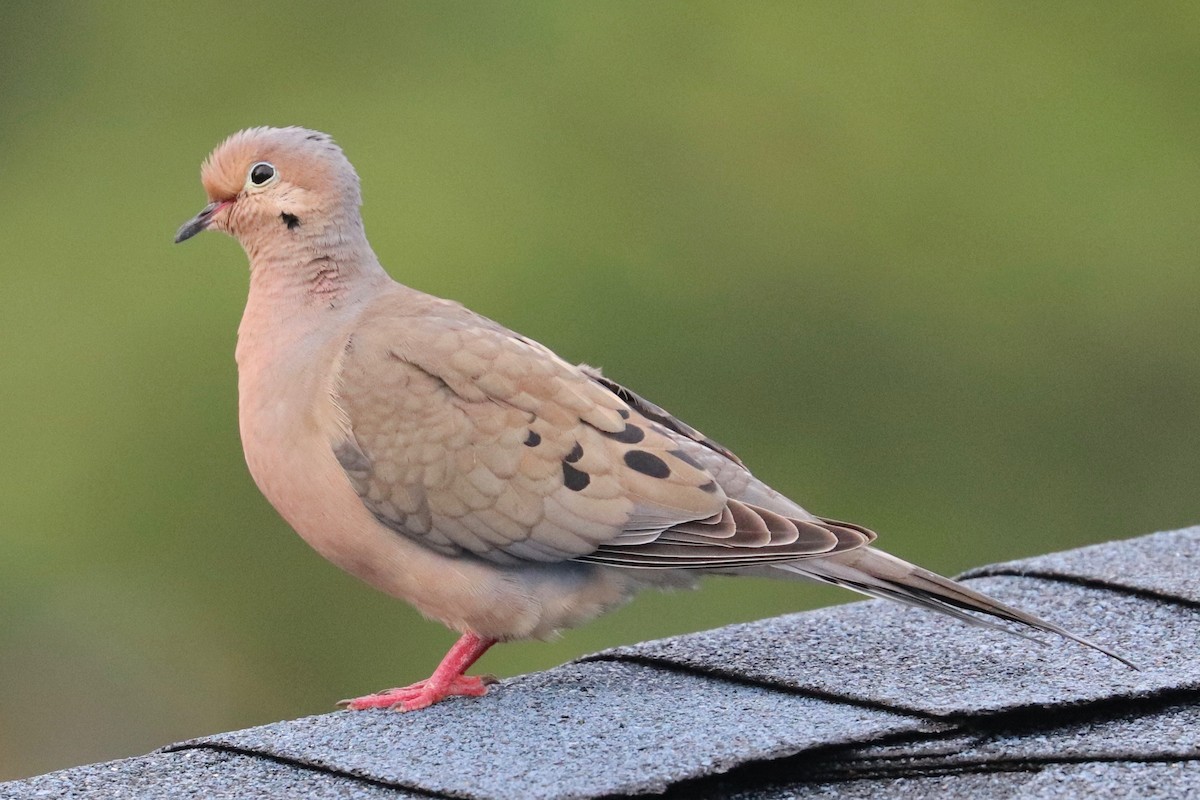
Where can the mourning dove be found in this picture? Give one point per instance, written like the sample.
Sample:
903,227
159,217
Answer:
467,469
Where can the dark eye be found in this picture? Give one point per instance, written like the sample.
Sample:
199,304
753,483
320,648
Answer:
261,172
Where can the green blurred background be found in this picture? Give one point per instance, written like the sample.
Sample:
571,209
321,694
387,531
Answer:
929,267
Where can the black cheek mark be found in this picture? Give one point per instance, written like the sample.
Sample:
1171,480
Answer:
575,454
533,439
710,487
630,434
647,464
685,458
574,479
291,220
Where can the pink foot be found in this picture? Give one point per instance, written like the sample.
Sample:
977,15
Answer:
422,694
446,681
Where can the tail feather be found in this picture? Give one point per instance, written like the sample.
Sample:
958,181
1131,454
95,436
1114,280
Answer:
878,574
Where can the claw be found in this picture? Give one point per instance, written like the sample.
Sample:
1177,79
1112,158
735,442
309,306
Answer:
422,695
446,681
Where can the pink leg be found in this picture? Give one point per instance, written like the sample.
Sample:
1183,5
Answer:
446,681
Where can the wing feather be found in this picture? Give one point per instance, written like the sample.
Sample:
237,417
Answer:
473,440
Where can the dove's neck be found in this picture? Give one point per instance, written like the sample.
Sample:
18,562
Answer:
304,285
320,268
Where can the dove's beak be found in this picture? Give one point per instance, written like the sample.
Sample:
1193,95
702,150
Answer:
200,221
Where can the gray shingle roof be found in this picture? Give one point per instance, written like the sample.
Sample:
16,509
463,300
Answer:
863,700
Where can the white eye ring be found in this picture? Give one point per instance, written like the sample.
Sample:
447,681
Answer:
261,173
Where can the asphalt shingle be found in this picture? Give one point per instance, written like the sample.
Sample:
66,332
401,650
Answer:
1163,565
581,730
207,774
863,700
890,656
1142,729
1116,780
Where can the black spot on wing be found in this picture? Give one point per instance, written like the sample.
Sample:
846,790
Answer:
630,434
533,439
624,412
575,454
658,414
647,464
710,487
574,479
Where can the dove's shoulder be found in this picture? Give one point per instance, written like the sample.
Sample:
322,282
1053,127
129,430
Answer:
404,332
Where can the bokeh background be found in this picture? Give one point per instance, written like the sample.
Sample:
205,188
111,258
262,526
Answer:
930,267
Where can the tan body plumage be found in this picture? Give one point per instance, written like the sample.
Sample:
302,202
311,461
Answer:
465,469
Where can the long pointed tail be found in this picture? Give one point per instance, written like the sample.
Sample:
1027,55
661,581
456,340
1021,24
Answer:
876,573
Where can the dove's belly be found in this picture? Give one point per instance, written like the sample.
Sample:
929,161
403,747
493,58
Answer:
288,441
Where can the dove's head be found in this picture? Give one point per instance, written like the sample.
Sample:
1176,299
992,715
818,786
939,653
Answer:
270,185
